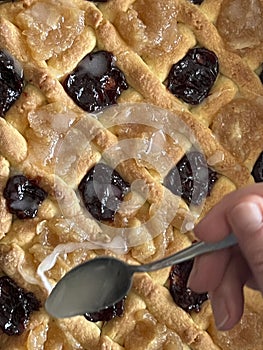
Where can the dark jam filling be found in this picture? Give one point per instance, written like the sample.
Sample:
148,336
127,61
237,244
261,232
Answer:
191,178
197,2
183,296
257,171
102,189
96,82
261,77
23,197
16,306
108,313
11,82
192,78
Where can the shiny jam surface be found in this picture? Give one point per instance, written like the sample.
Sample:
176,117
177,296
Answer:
96,82
257,171
191,178
107,314
102,189
11,81
183,296
23,197
192,78
16,306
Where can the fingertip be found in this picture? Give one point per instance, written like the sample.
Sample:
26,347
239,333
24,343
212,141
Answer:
214,226
198,281
207,273
228,299
246,217
220,311
227,312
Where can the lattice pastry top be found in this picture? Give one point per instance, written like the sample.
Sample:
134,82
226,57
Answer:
183,127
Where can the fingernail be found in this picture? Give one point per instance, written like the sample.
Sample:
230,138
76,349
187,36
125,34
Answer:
192,276
221,314
221,323
247,216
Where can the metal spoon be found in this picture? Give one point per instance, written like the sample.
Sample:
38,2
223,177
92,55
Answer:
103,281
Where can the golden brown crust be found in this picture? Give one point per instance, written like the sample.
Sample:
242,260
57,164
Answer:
160,304
14,152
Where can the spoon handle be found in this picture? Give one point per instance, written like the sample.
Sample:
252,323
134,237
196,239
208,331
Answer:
194,250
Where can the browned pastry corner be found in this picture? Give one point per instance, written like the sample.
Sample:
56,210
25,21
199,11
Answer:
122,123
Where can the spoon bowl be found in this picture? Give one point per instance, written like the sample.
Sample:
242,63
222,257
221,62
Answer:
90,287
103,281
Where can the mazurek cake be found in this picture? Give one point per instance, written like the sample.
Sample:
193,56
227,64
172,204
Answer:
123,122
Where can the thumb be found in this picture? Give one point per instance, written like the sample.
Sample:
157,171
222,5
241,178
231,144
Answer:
246,220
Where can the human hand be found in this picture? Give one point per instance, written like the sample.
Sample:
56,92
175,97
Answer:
224,273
